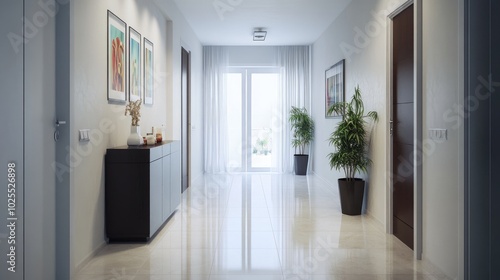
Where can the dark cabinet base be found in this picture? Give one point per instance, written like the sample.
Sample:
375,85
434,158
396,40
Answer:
125,240
138,191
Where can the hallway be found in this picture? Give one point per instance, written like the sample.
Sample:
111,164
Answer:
260,227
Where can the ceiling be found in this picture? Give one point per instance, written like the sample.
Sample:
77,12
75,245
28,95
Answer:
287,22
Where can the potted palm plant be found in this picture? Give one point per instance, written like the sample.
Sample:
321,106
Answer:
302,126
351,155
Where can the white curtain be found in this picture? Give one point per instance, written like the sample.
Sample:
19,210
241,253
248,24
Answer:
215,64
294,63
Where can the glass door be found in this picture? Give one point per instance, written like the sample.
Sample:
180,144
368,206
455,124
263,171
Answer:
263,89
252,106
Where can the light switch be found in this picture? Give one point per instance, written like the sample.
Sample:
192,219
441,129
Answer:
438,134
84,135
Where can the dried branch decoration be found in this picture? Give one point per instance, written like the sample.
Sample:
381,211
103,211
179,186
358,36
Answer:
134,108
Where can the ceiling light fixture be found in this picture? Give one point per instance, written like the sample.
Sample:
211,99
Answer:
259,35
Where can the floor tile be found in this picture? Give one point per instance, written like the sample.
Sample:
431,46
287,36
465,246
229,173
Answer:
261,227
247,261
171,277
246,277
109,264
246,239
178,262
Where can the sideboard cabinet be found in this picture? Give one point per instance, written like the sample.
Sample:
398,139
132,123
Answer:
142,189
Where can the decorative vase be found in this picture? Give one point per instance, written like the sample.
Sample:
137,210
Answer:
135,138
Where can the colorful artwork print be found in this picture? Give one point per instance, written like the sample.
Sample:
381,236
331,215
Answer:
135,65
148,72
335,81
149,79
117,59
117,75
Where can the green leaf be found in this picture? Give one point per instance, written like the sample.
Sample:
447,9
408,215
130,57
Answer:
302,126
350,136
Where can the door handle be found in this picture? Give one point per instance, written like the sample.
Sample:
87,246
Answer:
391,129
56,133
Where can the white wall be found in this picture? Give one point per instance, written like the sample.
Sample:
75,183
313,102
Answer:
181,35
443,168
366,65
109,126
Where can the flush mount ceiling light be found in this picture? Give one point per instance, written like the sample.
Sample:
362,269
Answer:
259,35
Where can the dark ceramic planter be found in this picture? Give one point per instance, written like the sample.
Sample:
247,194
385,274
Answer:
351,196
300,163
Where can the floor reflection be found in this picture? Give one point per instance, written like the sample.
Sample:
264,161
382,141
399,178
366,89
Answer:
261,226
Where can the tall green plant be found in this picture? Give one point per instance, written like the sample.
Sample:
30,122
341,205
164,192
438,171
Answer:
302,126
350,137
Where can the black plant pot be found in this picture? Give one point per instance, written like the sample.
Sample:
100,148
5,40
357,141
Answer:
300,162
351,196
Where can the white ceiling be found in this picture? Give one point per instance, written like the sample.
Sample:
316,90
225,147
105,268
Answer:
287,22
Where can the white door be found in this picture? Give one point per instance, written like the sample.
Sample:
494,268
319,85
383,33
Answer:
28,111
11,147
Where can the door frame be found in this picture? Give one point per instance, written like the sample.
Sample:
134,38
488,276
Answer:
418,125
188,125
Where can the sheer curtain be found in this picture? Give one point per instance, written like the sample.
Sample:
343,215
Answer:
215,65
294,63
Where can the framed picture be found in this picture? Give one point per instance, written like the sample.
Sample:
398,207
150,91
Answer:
335,86
117,61
148,72
135,66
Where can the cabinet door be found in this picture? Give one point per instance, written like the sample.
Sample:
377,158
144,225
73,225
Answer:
155,206
127,195
175,188
166,188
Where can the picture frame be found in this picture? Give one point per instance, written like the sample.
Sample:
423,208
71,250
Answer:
135,65
148,72
334,86
117,59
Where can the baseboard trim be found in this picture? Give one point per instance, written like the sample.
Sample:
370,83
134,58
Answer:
327,182
89,257
197,176
380,225
434,269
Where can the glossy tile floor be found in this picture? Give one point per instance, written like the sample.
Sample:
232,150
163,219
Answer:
262,227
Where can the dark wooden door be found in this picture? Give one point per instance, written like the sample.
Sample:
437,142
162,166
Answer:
403,124
186,122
